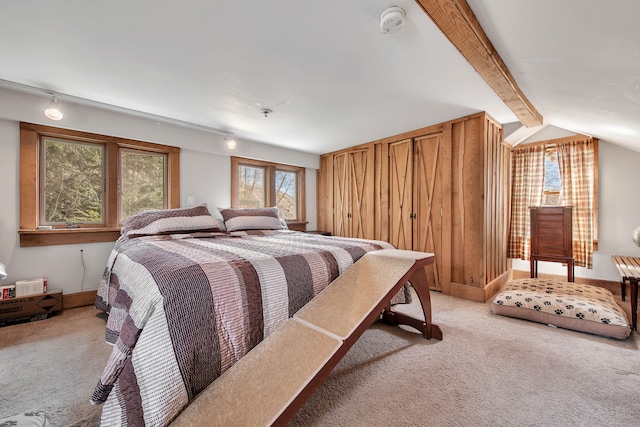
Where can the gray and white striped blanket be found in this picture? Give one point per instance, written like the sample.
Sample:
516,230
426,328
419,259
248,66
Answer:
184,308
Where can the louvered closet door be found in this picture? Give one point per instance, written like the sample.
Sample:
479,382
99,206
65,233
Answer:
401,194
427,202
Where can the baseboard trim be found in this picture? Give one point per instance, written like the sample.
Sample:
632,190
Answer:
461,290
496,285
78,299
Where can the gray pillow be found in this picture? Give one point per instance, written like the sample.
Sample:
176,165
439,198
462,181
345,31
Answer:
238,219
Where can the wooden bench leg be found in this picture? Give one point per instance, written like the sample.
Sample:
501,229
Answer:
426,327
633,287
623,289
570,271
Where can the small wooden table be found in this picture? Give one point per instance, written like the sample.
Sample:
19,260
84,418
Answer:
629,269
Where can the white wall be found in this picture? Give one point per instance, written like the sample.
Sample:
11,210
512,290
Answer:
619,212
205,173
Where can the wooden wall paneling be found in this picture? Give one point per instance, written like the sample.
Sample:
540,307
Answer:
460,199
427,203
445,249
490,201
497,201
401,208
493,240
506,207
457,219
473,187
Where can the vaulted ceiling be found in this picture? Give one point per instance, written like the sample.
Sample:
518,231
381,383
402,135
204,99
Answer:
330,76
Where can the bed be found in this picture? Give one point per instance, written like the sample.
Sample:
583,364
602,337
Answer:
187,297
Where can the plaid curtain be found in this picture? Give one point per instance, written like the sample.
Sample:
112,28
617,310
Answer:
527,177
577,176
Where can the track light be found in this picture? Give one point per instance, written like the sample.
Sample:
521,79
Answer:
53,110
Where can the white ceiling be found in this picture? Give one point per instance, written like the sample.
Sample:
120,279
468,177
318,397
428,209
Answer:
330,76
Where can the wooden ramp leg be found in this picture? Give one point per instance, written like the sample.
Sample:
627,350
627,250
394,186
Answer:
427,328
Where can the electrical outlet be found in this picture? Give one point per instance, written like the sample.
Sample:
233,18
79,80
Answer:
191,201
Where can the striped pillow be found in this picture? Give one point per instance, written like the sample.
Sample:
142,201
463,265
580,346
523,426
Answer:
237,219
169,221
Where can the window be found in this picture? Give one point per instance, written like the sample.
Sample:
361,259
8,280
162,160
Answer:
256,184
142,181
82,185
552,185
286,194
71,182
561,172
252,187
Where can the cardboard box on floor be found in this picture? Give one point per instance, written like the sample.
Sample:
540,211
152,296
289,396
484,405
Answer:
31,305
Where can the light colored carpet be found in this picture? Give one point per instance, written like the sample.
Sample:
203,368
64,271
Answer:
488,371
53,366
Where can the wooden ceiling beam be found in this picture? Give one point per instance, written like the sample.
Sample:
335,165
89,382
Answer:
459,24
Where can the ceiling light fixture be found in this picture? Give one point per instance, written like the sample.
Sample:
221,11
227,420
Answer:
392,19
109,107
266,111
53,110
231,143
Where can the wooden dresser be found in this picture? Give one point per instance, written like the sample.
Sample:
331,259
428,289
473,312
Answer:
551,237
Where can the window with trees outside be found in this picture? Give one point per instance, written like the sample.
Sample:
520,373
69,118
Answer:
76,187
552,185
256,184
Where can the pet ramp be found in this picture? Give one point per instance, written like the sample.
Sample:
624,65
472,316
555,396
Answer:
268,385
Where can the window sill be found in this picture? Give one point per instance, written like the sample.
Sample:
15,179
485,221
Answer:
67,236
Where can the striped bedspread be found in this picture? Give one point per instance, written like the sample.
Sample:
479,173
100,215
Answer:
184,308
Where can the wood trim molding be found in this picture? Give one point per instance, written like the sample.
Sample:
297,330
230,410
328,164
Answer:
459,24
64,236
78,299
270,174
109,231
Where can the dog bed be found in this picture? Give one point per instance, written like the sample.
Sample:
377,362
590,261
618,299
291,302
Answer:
568,305
28,419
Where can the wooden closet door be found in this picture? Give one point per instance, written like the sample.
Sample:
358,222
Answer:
353,193
400,194
361,193
428,202
324,194
341,195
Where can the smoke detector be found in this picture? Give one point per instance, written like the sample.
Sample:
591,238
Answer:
392,19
